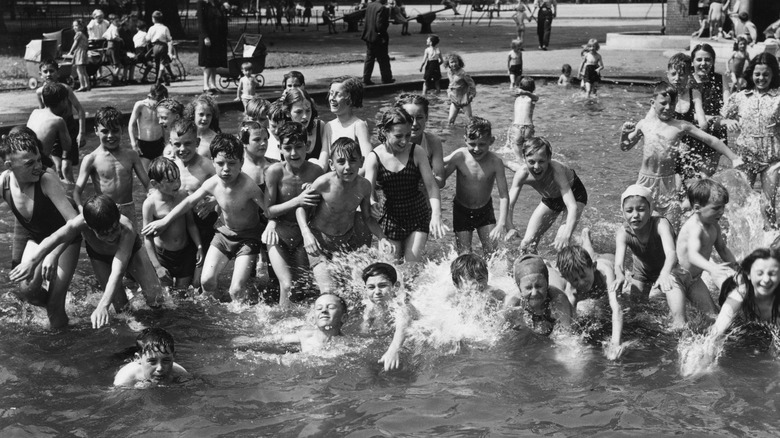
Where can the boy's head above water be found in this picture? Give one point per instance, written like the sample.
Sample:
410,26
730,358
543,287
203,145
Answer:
164,175
102,216
155,354
527,84
679,69
576,267
708,198
469,272
345,158
381,281
664,100
330,312
531,277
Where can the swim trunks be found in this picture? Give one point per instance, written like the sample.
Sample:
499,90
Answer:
580,195
518,133
290,237
234,243
179,263
468,219
683,281
516,69
432,72
591,75
73,132
151,149
106,258
663,188
347,242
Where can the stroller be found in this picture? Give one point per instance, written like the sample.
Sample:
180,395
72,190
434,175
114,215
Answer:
248,48
50,47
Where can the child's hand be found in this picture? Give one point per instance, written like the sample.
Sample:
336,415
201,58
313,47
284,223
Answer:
49,266
511,234
310,243
205,207
437,228
269,236
731,125
613,351
722,270
154,228
496,232
23,271
390,359
665,282
307,198
199,256
385,247
617,286
236,99
561,241
163,274
376,210
100,317
628,127
738,162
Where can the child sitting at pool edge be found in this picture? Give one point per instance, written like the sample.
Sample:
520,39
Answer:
153,363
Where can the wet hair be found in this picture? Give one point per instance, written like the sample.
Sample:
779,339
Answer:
738,39
100,213
293,95
257,106
468,266
527,84
768,60
566,69
48,63
388,119
248,126
516,45
154,340
533,144
665,89
172,105
292,132
749,308
573,260
478,127
345,147
20,139
209,102
706,190
705,47
53,94
434,39
412,99
157,16
277,113
384,269
109,117
353,87
456,58
158,92
163,169
227,144
679,62
293,74
246,66
342,302
183,127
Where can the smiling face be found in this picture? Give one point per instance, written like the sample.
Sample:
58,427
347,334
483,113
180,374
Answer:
328,311
109,136
762,77
636,212
26,166
227,168
293,153
155,366
203,116
765,276
185,146
301,112
398,137
258,142
663,105
453,64
533,288
165,117
380,289
479,147
338,98
419,120
702,62
537,162
345,168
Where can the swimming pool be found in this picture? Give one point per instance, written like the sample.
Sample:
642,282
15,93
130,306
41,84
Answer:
463,376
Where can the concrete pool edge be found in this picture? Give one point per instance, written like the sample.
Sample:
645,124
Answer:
320,95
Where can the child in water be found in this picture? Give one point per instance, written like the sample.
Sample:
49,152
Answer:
462,89
470,275
153,363
591,67
565,79
386,308
514,63
522,127
432,61
545,307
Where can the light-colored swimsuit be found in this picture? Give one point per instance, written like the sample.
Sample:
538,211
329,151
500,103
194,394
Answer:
758,115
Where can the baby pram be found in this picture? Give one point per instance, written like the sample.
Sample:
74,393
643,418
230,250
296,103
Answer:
248,48
50,47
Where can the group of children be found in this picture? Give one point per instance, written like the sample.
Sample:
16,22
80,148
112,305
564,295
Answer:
289,192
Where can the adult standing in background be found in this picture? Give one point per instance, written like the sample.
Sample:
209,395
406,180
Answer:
377,41
212,39
548,9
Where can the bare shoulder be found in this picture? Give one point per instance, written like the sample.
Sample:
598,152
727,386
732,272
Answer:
311,171
275,170
127,375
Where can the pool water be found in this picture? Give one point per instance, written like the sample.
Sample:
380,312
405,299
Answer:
463,374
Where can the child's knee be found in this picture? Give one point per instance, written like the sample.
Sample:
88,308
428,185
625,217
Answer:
208,280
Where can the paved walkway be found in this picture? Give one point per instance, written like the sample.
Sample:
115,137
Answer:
15,106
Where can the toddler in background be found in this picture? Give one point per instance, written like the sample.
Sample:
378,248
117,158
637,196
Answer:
520,17
523,124
591,67
565,78
432,61
514,63
462,89
247,85
153,362
736,64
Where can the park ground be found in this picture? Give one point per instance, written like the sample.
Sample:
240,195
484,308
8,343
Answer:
483,45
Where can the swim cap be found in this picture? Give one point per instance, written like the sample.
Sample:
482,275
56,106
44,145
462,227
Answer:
528,265
638,190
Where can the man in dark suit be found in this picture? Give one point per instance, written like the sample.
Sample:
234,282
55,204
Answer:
376,38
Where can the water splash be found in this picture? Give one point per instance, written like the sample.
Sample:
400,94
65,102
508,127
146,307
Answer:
698,353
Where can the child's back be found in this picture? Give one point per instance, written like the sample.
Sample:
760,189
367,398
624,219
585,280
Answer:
50,128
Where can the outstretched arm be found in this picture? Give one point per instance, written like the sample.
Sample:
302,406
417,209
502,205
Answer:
160,225
66,233
630,134
503,201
